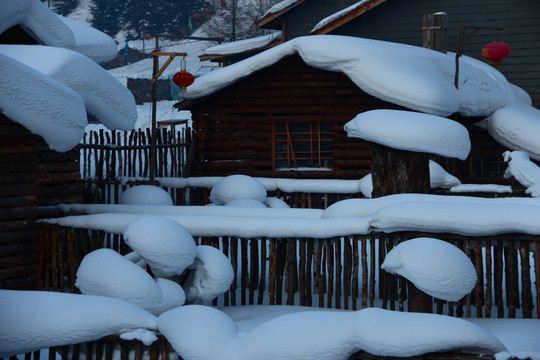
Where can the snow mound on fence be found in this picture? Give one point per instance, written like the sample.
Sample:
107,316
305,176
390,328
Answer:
436,267
166,246
145,195
237,187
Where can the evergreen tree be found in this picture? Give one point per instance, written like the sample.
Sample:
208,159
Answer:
62,7
108,15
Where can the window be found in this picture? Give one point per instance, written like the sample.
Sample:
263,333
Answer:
487,167
303,145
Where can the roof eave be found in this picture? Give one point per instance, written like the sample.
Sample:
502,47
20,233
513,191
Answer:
348,17
272,21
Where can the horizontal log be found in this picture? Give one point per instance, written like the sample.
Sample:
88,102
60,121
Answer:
350,110
231,126
16,148
18,260
343,91
352,154
26,282
238,145
58,166
64,199
15,225
18,201
308,100
19,248
233,155
352,163
18,213
21,236
60,189
10,190
236,165
51,178
18,178
234,135
17,272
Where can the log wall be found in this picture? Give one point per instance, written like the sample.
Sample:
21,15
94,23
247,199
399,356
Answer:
234,126
31,175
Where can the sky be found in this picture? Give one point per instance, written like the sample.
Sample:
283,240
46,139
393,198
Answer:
119,297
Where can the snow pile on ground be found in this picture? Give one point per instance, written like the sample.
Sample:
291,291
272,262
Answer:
145,195
33,320
523,170
320,334
436,267
411,131
62,80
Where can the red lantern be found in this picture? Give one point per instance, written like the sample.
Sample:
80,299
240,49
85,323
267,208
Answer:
148,36
196,15
496,51
183,79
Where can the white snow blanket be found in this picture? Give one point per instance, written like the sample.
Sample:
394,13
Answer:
33,320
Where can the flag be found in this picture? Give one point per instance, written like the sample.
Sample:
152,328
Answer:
189,24
126,49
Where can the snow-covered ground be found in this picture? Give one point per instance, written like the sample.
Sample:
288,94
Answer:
119,297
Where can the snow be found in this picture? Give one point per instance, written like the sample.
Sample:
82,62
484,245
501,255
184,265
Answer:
406,130
281,6
494,188
145,195
213,276
105,272
165,245
241,46
56,31
327,20
237,187
33,320
246,203
60,110
523,170
516,127
320,334
440,178
50,88
436,267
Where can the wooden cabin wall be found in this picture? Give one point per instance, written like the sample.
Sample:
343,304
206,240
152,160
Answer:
31,175
234,125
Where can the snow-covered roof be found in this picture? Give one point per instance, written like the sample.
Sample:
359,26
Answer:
281,6
50,88
51,29
413,77
340,14
241,46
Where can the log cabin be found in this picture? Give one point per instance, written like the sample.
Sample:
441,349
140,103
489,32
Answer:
286,120
42,118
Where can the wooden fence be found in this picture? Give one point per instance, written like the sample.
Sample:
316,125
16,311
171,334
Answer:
108,156
341,272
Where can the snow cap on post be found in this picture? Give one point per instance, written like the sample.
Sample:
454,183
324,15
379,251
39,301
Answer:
412,131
